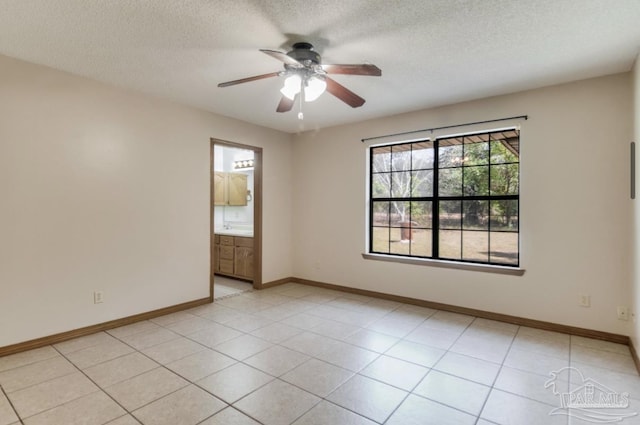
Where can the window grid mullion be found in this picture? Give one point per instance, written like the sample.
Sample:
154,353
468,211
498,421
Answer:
489,205
462,200
410,221
435,207
388,226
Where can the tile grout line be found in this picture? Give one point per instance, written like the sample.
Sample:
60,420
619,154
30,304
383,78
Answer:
411,392
400,339
430,369
100,389
520,395
11,404
448,350
189,380
306,411
408,392
96,384
346,408
310,358
400,404
322,398
229,406
192,382
160,365
492,387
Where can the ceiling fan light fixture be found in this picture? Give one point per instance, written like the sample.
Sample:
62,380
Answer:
304,70
314,87
292,86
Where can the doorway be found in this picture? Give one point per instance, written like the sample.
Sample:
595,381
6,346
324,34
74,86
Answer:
235,217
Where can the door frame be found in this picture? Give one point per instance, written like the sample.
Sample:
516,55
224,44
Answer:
257,211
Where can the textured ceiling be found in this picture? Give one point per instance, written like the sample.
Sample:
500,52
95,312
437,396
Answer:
431,52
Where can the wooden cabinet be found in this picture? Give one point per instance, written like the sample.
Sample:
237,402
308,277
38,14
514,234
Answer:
243,261
233,256
229,189
216,254
219,188
237,189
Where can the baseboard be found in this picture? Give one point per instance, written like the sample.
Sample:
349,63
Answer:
572,330
75,333
64,336
539,324
277,282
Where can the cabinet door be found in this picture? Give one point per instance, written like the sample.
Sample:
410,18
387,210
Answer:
216,258
219,188
226,252
244,262
226,266
237,189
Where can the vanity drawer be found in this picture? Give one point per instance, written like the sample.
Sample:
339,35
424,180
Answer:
226,266
244,241
226,240
226,252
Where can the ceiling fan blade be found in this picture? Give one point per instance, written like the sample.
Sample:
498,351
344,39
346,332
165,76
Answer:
246,80
286,104
364,69
343,93
283,57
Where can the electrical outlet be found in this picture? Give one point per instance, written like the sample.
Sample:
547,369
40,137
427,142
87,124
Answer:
584,300
98,297
623,313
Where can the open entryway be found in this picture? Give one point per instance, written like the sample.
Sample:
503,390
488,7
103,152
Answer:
236,217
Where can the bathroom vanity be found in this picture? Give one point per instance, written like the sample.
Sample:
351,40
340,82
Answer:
233,254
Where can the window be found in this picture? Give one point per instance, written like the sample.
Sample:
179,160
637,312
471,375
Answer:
454,198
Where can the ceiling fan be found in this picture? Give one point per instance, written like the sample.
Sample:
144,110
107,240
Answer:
306,76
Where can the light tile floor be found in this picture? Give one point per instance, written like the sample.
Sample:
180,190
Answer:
224,286
308,356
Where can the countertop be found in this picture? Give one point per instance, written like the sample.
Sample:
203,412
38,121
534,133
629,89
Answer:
234,232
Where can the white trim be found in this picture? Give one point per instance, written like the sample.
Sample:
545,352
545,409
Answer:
487,268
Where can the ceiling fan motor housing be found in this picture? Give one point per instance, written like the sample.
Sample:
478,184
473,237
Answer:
304,53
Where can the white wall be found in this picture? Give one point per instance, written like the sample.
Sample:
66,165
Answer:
575,209
635,294
105,189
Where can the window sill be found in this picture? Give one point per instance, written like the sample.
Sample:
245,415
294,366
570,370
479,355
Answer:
487,268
